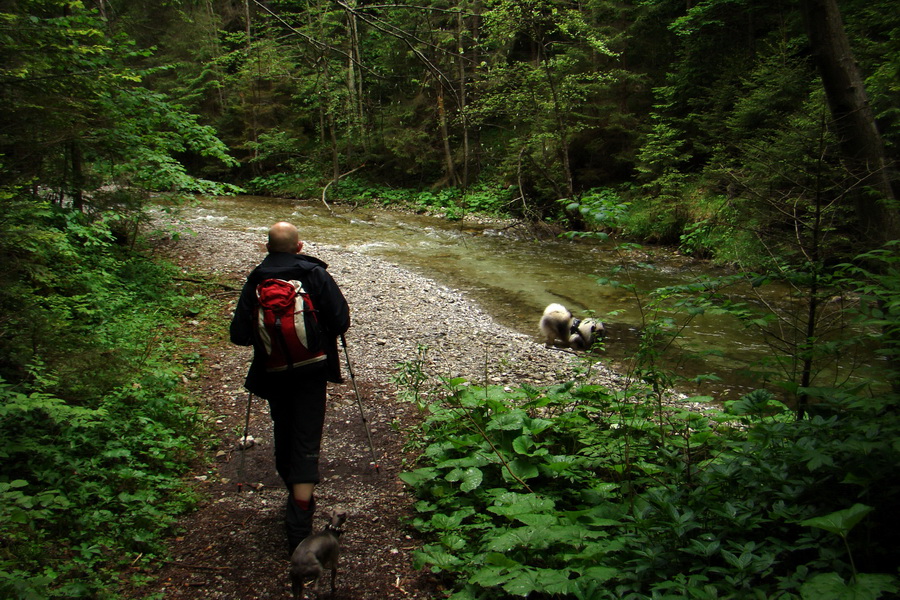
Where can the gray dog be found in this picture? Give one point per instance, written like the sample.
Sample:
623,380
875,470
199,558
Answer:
317,553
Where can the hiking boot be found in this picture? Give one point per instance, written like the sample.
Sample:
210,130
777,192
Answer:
298,522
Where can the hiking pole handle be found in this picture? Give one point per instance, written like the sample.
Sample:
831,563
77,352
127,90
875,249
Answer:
359,404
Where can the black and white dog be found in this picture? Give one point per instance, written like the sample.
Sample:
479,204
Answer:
558,324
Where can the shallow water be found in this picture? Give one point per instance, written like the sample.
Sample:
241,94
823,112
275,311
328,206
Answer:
515,279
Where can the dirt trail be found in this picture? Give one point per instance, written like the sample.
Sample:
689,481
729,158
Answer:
234,546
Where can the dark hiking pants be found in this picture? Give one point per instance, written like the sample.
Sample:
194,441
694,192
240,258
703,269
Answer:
298,417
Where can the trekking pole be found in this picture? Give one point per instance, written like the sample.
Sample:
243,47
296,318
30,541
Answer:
244,444
359,403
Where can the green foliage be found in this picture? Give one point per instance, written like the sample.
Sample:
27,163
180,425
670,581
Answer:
149,136
284,185
77,117
575,492
876,44
600,209
452,203
96,429
875,278
700,104
412,379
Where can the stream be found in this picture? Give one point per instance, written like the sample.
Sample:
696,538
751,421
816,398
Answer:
514,279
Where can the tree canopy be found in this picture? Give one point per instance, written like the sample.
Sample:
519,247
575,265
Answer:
685,109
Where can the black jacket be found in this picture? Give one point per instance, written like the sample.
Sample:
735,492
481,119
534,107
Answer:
331,309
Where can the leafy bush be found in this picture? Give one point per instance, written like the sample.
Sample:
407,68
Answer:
96,429
573,492
600,209
453,203
285,185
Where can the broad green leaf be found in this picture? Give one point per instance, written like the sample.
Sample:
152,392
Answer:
538,520
498,559
419,476
472,478
520,537
840,522
523,469
524,583
454,542
600,573
537,426
523,444
833,587
508,422
555,581
437,557
442,521
511,504
491,576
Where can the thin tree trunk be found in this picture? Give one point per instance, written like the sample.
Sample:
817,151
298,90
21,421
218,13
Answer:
247,21
335,154
445,135
853,120
220,89
462,103
77,176
355,79
352,100
562,134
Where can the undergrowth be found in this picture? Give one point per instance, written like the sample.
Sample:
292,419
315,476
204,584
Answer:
96,429
577,492
452,203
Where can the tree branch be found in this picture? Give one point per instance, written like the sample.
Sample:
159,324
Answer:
335,180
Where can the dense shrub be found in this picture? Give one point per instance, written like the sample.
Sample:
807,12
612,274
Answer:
572,492
96,430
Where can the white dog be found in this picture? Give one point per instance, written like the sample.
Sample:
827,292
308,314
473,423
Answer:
557,323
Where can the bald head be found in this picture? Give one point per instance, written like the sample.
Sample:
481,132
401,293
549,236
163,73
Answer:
284,237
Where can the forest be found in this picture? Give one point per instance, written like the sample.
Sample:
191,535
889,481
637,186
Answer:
759,135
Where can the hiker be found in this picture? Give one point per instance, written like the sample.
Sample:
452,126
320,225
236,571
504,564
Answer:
296,394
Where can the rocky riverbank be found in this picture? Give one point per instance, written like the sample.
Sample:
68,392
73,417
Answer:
395,310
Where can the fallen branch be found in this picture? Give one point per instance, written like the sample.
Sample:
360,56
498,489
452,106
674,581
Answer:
335,180
184,565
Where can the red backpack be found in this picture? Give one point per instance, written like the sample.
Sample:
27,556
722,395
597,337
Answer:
287,325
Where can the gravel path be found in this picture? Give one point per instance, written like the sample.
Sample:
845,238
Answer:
233,546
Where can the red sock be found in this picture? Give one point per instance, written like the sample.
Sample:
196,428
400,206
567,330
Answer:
303,504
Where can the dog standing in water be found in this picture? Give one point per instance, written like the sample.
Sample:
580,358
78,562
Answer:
558,324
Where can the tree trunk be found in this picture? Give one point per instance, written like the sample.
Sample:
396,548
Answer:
335,152
853,120
854,124
247,21
354,78
77,176
445,136
462,101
